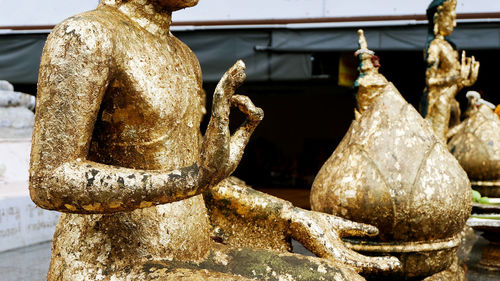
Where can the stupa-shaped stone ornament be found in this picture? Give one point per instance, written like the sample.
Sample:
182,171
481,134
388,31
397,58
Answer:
476,145
390,170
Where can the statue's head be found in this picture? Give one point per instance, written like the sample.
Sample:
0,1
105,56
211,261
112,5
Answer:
441,15
174,5
170,5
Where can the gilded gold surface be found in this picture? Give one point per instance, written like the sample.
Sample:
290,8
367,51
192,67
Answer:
476,145
243,217
370,83
445,74
391,171
117,148
454,273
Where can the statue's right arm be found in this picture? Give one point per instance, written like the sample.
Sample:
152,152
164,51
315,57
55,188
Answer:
76,67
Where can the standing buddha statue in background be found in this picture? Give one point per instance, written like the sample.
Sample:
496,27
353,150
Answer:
117,149
445,74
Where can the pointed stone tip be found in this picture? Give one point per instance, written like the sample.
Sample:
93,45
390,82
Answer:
362,39
241,64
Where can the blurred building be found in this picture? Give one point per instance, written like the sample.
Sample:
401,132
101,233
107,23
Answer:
299,62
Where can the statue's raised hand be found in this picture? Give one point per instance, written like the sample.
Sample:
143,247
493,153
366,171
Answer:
469,70
220,152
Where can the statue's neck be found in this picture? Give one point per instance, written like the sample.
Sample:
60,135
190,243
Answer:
150,16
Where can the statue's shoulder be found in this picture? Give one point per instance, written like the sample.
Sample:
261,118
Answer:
88,26
436,44
181,45
435,50
189,55
440,45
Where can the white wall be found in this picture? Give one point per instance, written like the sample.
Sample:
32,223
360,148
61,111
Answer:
279,9
49,12
41,12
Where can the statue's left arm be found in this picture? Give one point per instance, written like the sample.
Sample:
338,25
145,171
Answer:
319,232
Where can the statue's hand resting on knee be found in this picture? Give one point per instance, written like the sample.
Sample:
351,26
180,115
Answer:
321,233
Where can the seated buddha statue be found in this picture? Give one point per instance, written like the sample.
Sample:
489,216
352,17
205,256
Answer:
117,148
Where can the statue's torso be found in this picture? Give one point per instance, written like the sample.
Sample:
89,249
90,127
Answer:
149,119
441,93
151,112
447,59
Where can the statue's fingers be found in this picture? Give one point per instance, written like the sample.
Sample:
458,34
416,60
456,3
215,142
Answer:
463,68
350,228
347,228
243,103
237,75
476,68
246,106
226,87
365,264
340,251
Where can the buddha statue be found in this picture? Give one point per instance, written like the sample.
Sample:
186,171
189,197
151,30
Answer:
118,150
445,74
391,171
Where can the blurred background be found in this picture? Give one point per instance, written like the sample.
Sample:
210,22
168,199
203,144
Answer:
300,63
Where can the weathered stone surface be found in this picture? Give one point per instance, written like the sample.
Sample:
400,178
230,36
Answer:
15,108
6,86
21,222
454,273
16,117
224,263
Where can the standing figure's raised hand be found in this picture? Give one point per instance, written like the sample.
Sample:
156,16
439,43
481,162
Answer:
469,70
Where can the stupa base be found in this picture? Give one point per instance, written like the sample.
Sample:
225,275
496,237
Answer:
490,229
487,188
419,259
490,259
453,273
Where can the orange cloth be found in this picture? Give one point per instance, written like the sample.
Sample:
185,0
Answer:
497,110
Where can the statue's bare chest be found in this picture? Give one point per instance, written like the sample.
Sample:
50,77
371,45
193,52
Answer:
449,57
155,87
